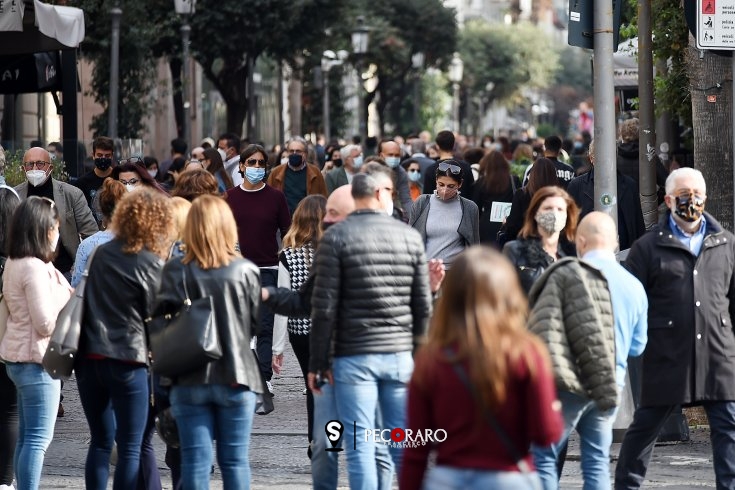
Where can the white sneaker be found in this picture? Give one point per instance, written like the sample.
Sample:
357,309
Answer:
270,388
7,487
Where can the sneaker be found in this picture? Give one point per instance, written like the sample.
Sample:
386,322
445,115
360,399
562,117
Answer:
60,413
270,388
305,391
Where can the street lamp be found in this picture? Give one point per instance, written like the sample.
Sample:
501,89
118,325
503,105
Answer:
417,62
185,8
115,13
360,38
456,71
329,61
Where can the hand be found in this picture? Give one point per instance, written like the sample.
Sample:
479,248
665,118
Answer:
436,274
311,380
277,363
264,294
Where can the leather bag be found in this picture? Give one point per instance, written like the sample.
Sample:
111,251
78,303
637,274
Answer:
187,340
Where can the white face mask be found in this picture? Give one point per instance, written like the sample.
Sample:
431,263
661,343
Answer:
389,208
223,154
129,187
153,173
36,177
284,160
55,242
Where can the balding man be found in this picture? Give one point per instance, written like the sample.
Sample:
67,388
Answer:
390,151
603,321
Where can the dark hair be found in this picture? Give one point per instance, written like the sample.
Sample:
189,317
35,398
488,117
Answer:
232,140
494,173
150,161
542,173
103,143
112,191
216,165
194,183
473,155
29,229
552,143
177,165
447,173
57,146
9,202
179,145
142,172
251,150
445,140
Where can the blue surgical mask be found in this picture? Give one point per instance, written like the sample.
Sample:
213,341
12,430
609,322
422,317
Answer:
254,174
357,161
414,176
392,161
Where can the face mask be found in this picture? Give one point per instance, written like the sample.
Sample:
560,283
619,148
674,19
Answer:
53,156
36,177
551,222
578,145
446,194
414,176
389,208
222,153
498,147
254,174
688,207
357,162
295,160
488,144
337,162
284,160
129,187
153,173
103,163
326,225
55,243
392,161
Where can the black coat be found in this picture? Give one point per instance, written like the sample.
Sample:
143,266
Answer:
531,260
484,200
690,355
630,216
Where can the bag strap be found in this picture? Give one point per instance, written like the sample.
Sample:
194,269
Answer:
512,183
490,419
79,290
187,300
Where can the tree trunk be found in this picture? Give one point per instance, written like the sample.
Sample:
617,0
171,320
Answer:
237,109
175,65
713,125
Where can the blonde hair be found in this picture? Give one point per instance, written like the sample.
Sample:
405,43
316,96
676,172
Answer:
144,219
306,224
180,207
210,233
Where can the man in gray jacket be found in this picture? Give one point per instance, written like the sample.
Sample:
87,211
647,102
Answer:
371,305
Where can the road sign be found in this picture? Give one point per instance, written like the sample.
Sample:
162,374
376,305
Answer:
716,24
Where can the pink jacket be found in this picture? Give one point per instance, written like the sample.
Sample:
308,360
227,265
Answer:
35,293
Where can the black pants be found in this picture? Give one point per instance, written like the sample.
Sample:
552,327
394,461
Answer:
268,277
300,345
8,426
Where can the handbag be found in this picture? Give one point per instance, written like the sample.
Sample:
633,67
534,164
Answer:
58,361
188,340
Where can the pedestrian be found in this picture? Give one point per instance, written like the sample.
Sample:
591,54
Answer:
683,265
479,329
113,358
298,178
133,175
415,184
103,149
216,401
212,161
35,291
195,183
493,194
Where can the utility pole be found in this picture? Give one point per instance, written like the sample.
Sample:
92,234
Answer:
647,133
115,13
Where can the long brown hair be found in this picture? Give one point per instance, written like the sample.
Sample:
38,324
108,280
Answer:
210,233
494,173
306,224
530,227
542,173
481,317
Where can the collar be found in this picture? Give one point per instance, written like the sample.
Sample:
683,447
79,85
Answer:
299,168
600,254
684,234
242,188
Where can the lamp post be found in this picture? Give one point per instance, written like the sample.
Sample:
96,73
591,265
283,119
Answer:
360,38
329,61
185,8
456,71
417,62
115,14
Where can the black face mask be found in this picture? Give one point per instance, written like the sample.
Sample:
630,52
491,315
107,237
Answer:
689,207
337,162
326,225
103,163
295,160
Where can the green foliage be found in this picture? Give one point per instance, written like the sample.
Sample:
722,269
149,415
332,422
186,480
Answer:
15,174
434,101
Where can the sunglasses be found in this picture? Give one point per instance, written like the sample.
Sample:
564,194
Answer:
446,166
255,161
133,160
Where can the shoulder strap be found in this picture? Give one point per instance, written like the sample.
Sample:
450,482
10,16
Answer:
490,419
513,183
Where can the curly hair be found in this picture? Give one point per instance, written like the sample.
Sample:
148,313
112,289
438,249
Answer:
195,183
111,193
144,219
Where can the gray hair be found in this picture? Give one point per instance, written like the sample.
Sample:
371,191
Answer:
298,139
346,151
378,171
684,172
364,186
417,146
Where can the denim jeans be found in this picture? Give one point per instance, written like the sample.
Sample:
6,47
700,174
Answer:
115,399
637,448
595,434
264,344
362,384
38,402
325,464
448,478
8,426
207,412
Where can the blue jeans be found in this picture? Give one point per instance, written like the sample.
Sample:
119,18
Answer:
38,402
207,412
595,433
362,383
448,478
115,399
325,464
637,448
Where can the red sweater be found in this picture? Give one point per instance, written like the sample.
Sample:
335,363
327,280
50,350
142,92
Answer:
527,417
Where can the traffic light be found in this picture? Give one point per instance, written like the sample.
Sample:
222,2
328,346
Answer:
581,23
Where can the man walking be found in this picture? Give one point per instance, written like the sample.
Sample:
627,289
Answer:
686,268
298,178
371,305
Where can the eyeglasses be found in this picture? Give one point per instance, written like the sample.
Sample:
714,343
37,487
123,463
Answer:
133,160
291,151
38,164
132,181
251,162
454,169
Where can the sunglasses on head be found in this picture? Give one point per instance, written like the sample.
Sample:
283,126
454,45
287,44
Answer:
446,166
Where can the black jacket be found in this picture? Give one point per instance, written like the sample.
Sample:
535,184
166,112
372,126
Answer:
690,355
118,297
530,259
236,292
630,216
371,291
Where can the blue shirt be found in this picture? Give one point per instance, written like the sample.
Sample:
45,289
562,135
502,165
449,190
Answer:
630,309
693,241
84,251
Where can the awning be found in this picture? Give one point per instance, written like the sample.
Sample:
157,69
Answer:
33,27
65,24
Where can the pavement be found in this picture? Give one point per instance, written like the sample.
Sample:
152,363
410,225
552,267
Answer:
278,448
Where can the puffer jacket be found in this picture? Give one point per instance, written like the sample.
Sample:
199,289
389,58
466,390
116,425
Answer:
235,290
371,290
571,311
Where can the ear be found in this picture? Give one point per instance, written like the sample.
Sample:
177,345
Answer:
668,200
